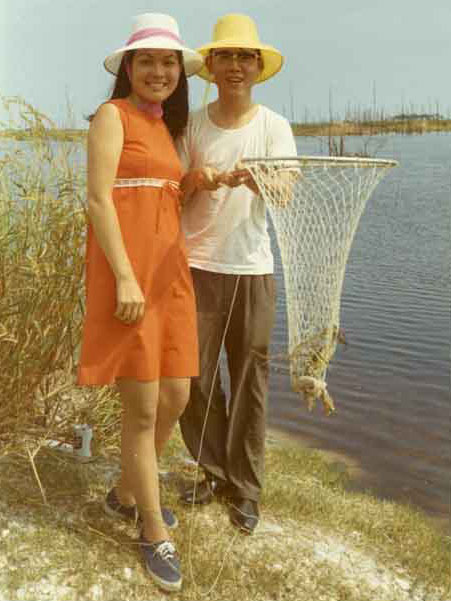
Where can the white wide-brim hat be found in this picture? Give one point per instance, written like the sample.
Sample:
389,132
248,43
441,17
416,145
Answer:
155,31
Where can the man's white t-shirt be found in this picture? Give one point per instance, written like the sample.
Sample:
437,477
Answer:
226,230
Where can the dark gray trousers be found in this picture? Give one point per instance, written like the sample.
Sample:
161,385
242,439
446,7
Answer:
234,441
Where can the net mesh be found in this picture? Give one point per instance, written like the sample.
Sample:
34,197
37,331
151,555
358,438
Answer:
315,204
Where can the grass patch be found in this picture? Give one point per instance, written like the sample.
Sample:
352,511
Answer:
315,541
42,234
43,222
398,534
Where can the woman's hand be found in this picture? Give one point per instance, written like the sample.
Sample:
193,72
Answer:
130,301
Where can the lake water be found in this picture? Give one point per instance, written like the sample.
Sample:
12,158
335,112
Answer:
391,383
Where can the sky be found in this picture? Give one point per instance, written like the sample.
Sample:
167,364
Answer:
345,55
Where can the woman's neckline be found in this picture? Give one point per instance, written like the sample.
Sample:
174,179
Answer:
140,111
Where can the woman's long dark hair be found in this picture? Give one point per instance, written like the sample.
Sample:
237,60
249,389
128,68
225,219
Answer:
175,108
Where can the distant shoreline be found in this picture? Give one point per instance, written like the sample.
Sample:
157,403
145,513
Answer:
324,129
369,128
67,135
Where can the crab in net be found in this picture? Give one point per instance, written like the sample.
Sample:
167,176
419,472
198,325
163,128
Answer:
308,365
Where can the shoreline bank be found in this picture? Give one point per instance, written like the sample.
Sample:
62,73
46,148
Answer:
357,476
372,128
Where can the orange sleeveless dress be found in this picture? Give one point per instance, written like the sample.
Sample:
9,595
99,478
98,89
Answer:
164,342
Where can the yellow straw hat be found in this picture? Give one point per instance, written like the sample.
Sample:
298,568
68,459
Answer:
240,31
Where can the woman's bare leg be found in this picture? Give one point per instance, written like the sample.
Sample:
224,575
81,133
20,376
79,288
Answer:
174,394
138,457
173,397
124,487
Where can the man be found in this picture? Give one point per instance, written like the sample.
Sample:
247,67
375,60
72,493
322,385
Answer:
229,252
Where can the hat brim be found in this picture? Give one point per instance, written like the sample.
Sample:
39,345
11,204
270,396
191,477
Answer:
272,58
192,60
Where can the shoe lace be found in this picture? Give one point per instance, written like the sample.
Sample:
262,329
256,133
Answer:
166,550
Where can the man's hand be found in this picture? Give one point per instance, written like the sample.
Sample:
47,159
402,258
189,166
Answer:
239,176
209,178
195,180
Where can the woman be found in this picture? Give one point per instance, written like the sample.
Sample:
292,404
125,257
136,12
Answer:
140,326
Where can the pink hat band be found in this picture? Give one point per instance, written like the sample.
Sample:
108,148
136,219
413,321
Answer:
153,32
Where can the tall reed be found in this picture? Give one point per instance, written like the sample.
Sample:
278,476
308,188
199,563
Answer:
42,235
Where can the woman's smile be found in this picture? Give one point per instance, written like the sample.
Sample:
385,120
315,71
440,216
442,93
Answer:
154,74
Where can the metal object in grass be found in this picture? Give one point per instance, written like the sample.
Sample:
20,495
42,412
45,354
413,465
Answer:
79,447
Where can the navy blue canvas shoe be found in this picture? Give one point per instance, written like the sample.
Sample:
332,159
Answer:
162,563
115,509
169,518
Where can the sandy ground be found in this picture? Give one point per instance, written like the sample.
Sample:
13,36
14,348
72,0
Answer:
287,546
302,553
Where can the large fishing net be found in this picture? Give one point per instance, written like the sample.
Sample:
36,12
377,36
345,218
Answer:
315,204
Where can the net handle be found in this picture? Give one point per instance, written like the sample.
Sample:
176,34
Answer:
326,160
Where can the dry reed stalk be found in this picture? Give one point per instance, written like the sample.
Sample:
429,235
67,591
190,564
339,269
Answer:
42,236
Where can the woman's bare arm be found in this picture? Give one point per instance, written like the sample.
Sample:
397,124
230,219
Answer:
105,141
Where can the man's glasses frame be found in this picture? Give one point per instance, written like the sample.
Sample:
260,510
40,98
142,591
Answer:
243,56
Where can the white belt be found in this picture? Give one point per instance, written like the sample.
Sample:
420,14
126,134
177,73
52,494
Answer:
152,182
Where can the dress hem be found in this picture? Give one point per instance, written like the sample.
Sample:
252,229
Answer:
96,381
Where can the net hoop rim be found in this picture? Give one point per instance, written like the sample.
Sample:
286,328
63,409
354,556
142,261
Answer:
331,160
